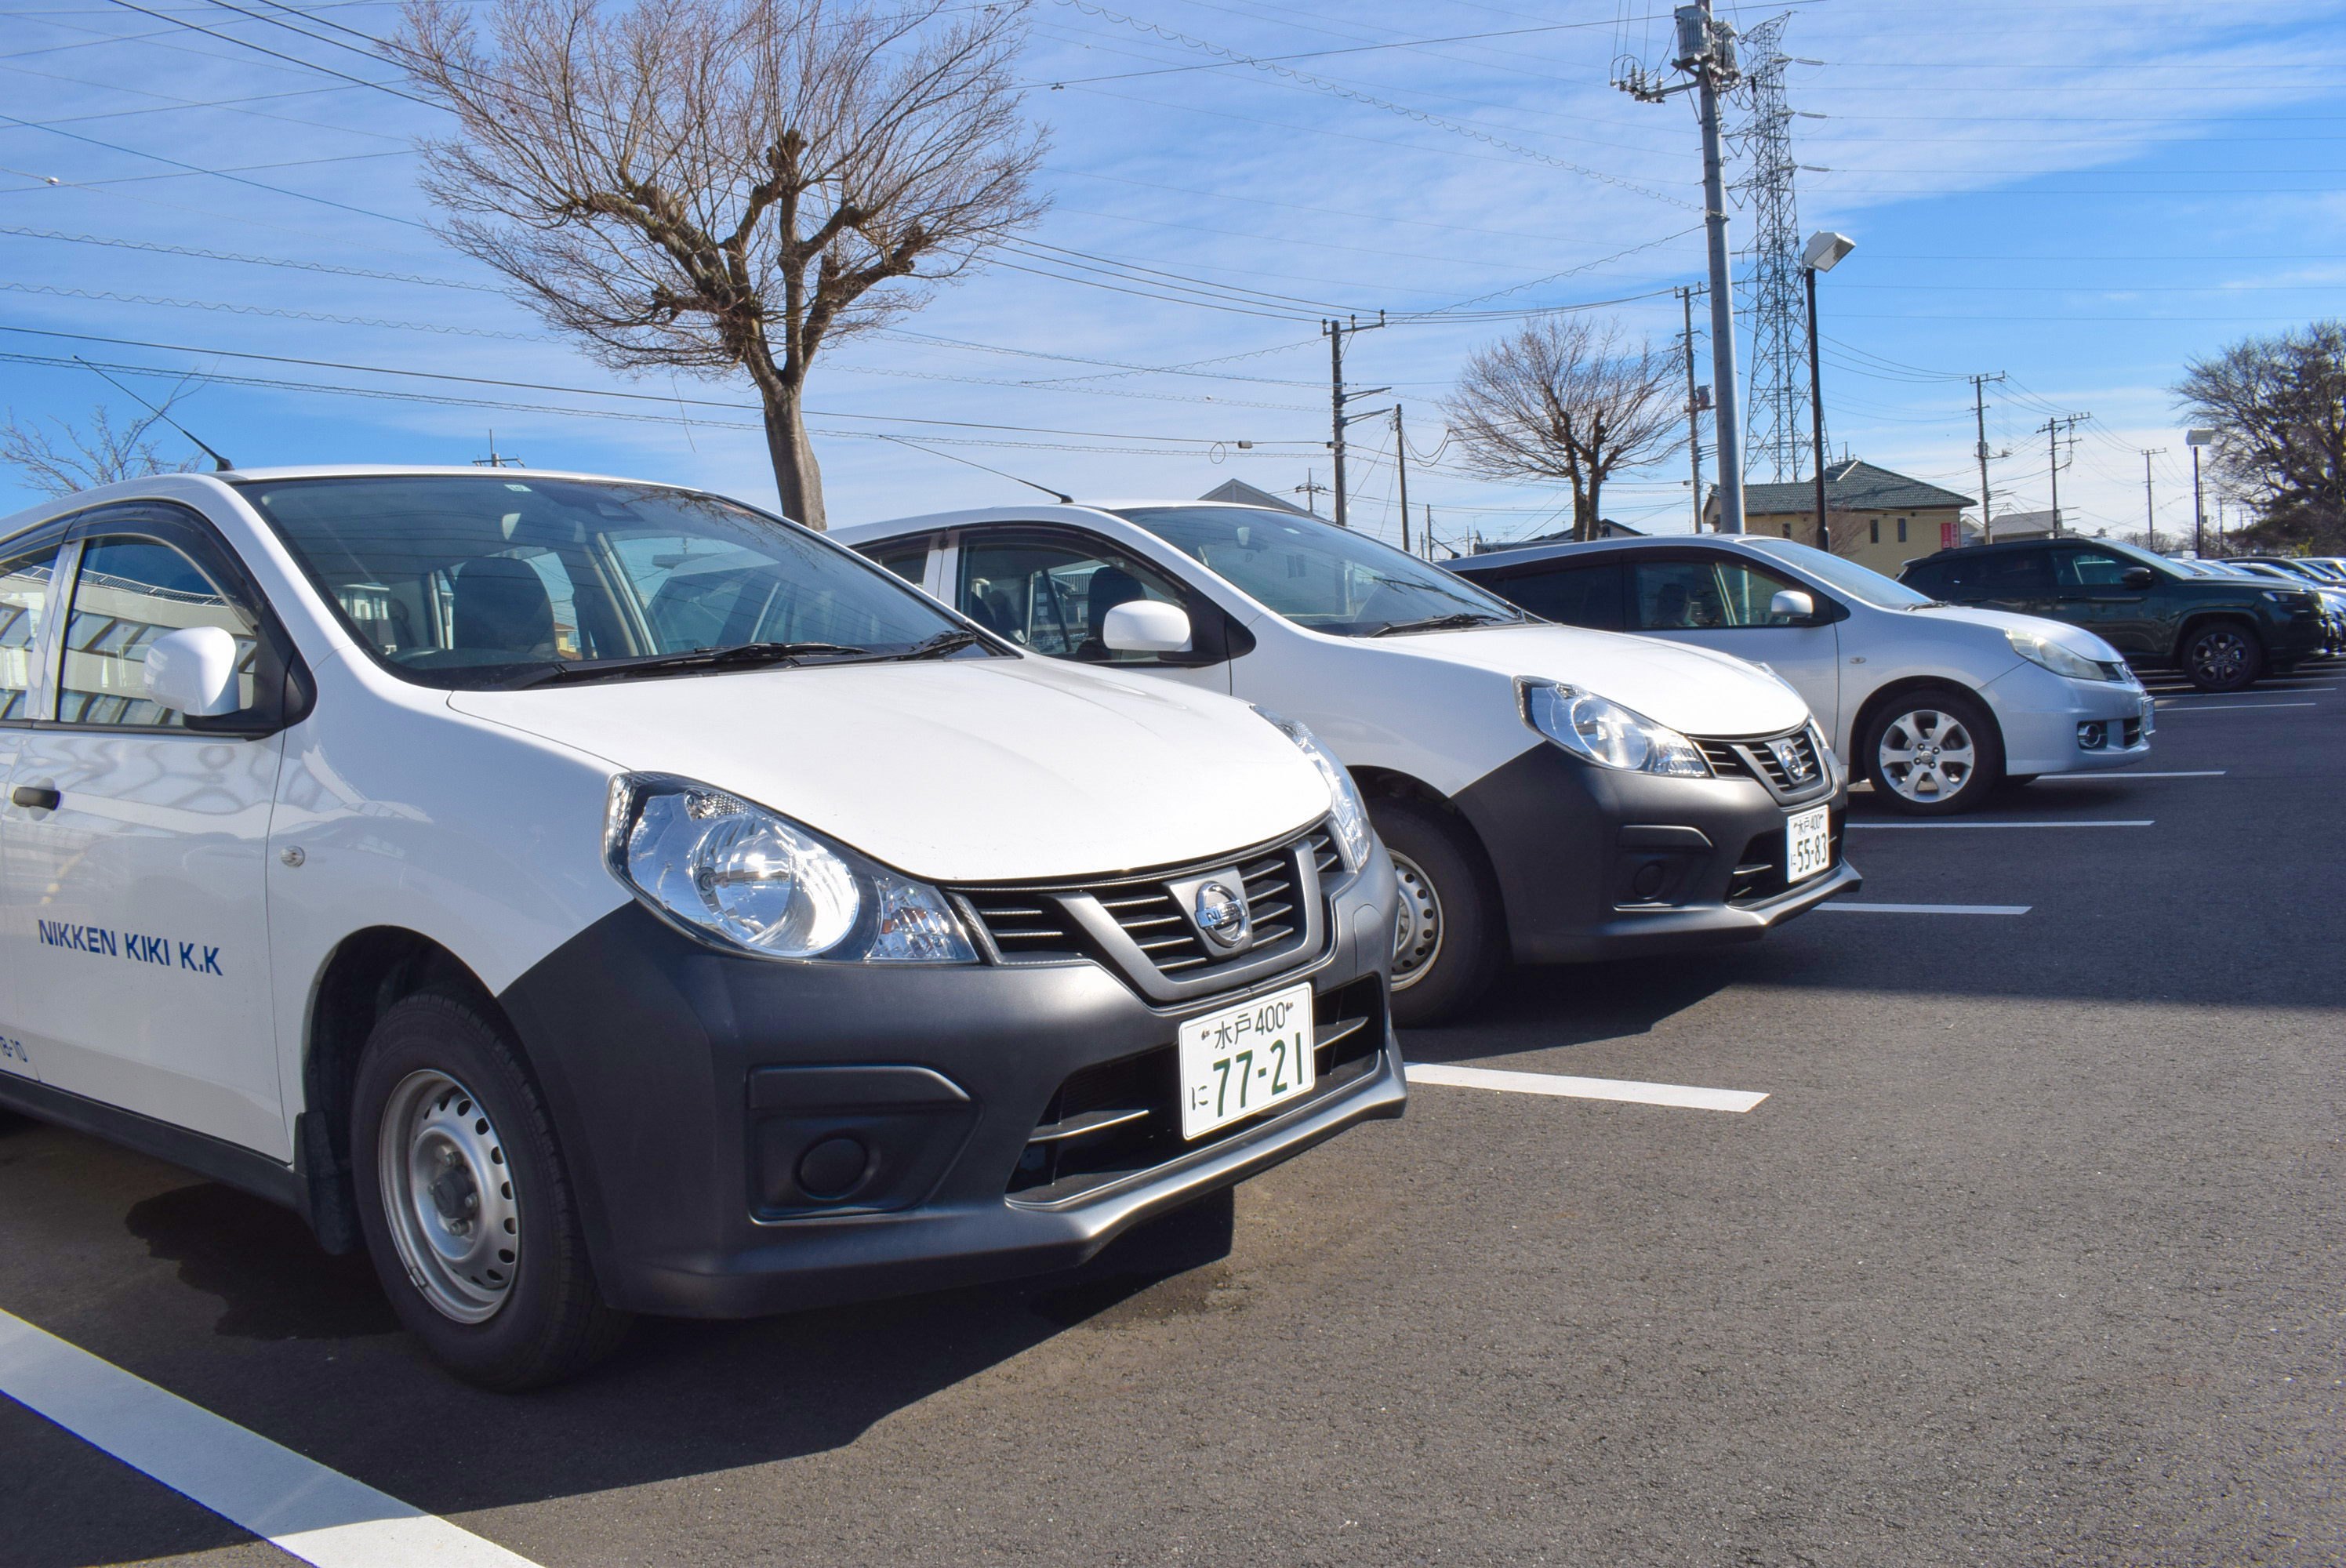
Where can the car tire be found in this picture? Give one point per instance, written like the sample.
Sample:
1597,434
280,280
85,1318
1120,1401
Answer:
1449,936
1933,752
2222,656
466,1205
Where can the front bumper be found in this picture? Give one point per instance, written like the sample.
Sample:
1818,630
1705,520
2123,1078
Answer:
688,1085
1570,843
2042,716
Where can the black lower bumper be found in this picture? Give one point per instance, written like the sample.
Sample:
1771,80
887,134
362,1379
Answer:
1599,863
697,1137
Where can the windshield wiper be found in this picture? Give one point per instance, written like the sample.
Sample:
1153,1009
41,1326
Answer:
944,642
741,656
1446,623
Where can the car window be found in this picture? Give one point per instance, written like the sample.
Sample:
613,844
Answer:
127,592
1705,595
2088,569
453,580
2010,575
1858,582
1315,573
910,561
1569,595
1051,593
24,610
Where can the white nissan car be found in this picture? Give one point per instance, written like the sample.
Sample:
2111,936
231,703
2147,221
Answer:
1548,794
1936,704
596,897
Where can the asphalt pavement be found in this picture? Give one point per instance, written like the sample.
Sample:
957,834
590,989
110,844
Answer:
2030,1255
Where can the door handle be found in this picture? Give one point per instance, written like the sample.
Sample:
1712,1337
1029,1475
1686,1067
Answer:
34,798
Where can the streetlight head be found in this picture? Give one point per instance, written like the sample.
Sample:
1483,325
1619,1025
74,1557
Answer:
2198,438
1825,250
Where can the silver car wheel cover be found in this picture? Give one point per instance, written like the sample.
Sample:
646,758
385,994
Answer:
448,1197
1927,755
1418,925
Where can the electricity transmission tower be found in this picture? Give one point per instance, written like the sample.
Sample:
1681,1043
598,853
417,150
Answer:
1778,371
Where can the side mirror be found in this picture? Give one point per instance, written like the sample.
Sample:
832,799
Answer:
1791,603
193,672
1145,626
2138,577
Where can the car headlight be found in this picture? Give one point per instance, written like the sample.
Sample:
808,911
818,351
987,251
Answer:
731,871
2038,649
1605,733
1350,813
2289,597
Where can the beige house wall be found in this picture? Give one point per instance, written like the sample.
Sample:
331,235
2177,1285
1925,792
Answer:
1869,538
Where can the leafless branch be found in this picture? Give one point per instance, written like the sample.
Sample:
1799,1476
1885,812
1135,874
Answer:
58,458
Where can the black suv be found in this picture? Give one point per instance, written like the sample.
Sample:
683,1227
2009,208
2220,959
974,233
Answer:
2221,632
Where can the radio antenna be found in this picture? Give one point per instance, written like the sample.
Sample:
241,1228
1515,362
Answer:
1062,498
223,463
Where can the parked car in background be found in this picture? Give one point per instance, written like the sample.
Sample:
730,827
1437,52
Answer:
594,897
2332,595
1932,703
2221,632
1548,794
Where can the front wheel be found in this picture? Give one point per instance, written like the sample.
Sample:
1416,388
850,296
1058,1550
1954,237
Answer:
2223,657
1446,940
1932,754
467,1205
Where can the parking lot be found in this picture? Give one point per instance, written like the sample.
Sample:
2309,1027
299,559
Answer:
2029,1255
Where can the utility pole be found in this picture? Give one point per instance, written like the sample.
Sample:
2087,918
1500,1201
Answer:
1309,490
1336,333
1694,409
1400,476
1979,412
1706,53
2053,430
2149,500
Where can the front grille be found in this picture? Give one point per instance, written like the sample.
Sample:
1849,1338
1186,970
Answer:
1117,1119
1759,876
1048,924
1756,758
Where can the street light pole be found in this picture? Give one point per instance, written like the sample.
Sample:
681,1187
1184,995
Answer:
1823,253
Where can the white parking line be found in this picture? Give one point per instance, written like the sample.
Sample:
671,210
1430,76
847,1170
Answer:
1737,1100
2128,773
2144,822
317,1514
1930,909
2231,706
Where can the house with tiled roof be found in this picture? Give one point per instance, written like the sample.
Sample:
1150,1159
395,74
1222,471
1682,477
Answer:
1879,518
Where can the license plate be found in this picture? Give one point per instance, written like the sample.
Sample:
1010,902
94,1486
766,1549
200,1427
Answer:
1808,843
1245,1059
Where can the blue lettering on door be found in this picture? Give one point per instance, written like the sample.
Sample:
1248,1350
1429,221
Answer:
101,943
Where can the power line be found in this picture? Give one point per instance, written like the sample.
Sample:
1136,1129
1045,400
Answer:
250,261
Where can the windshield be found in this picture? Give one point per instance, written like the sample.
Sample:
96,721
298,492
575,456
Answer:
456,581
1319,575
2134,553
1862,583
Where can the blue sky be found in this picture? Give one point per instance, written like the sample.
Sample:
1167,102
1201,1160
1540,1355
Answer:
2080,197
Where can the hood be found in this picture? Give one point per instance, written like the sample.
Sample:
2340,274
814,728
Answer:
2077,640
1693,691
957,771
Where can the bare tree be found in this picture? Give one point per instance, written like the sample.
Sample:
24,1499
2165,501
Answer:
2278,406
726,186
84,457
1568,399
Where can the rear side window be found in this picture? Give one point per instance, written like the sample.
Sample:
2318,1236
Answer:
2014,575
127,593
1933,577
24,610
1572,597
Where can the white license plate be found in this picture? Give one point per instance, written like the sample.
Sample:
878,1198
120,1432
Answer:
1245,1059
1808,843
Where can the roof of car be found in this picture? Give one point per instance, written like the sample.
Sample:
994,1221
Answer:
1590,546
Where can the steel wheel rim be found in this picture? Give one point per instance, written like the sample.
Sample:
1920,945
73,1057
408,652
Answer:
448,1195
1927,756
2219,656
1418,927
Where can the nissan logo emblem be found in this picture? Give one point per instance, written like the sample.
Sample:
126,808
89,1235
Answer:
1221,914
